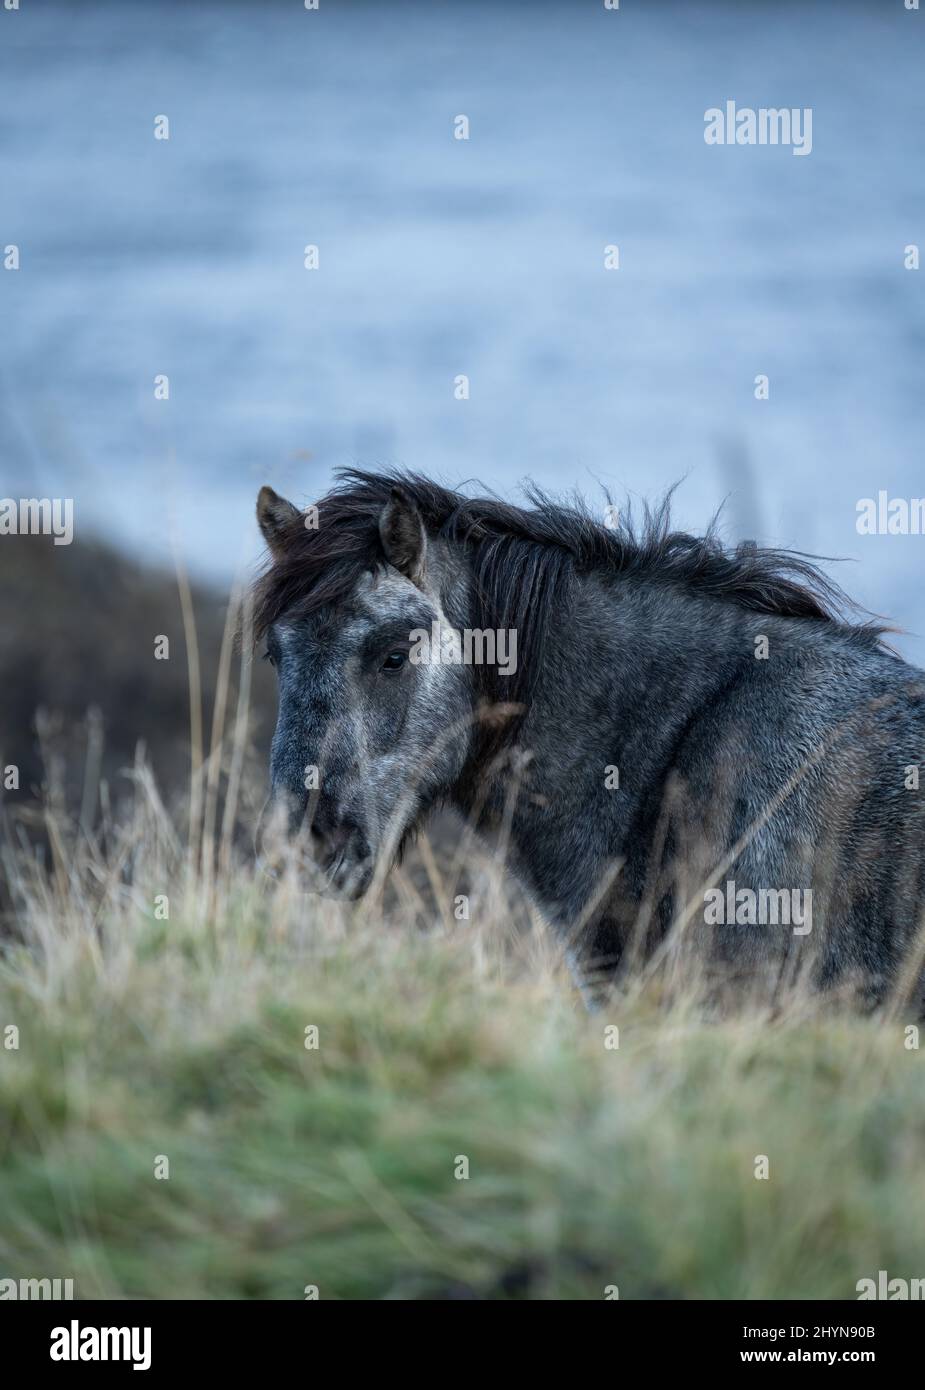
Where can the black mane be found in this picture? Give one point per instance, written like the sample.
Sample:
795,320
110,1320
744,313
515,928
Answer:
524,558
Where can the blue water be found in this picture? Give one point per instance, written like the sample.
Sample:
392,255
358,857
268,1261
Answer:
485,257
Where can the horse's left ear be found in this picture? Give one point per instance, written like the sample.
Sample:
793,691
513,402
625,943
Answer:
404,539
275,517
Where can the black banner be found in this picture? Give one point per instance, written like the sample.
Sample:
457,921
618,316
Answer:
236,1338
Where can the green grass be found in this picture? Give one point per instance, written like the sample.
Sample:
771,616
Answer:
335,1167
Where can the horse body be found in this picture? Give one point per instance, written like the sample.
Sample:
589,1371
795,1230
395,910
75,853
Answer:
682,722
787,772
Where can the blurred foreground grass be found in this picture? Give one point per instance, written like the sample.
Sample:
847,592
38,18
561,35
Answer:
335,1166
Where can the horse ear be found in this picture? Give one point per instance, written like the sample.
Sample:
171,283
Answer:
275,517
404,539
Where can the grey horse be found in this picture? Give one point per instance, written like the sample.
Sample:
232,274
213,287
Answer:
681,739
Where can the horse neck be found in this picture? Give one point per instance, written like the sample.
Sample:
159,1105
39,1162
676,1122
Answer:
625,667
627,649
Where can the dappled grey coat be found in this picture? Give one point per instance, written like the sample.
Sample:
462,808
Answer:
682,719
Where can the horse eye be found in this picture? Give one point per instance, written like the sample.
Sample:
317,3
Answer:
394,661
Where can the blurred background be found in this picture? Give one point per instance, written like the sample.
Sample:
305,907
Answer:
438,258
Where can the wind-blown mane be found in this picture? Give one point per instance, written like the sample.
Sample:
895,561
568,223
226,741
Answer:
524,559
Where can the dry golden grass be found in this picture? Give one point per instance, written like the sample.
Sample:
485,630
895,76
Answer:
458,1125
